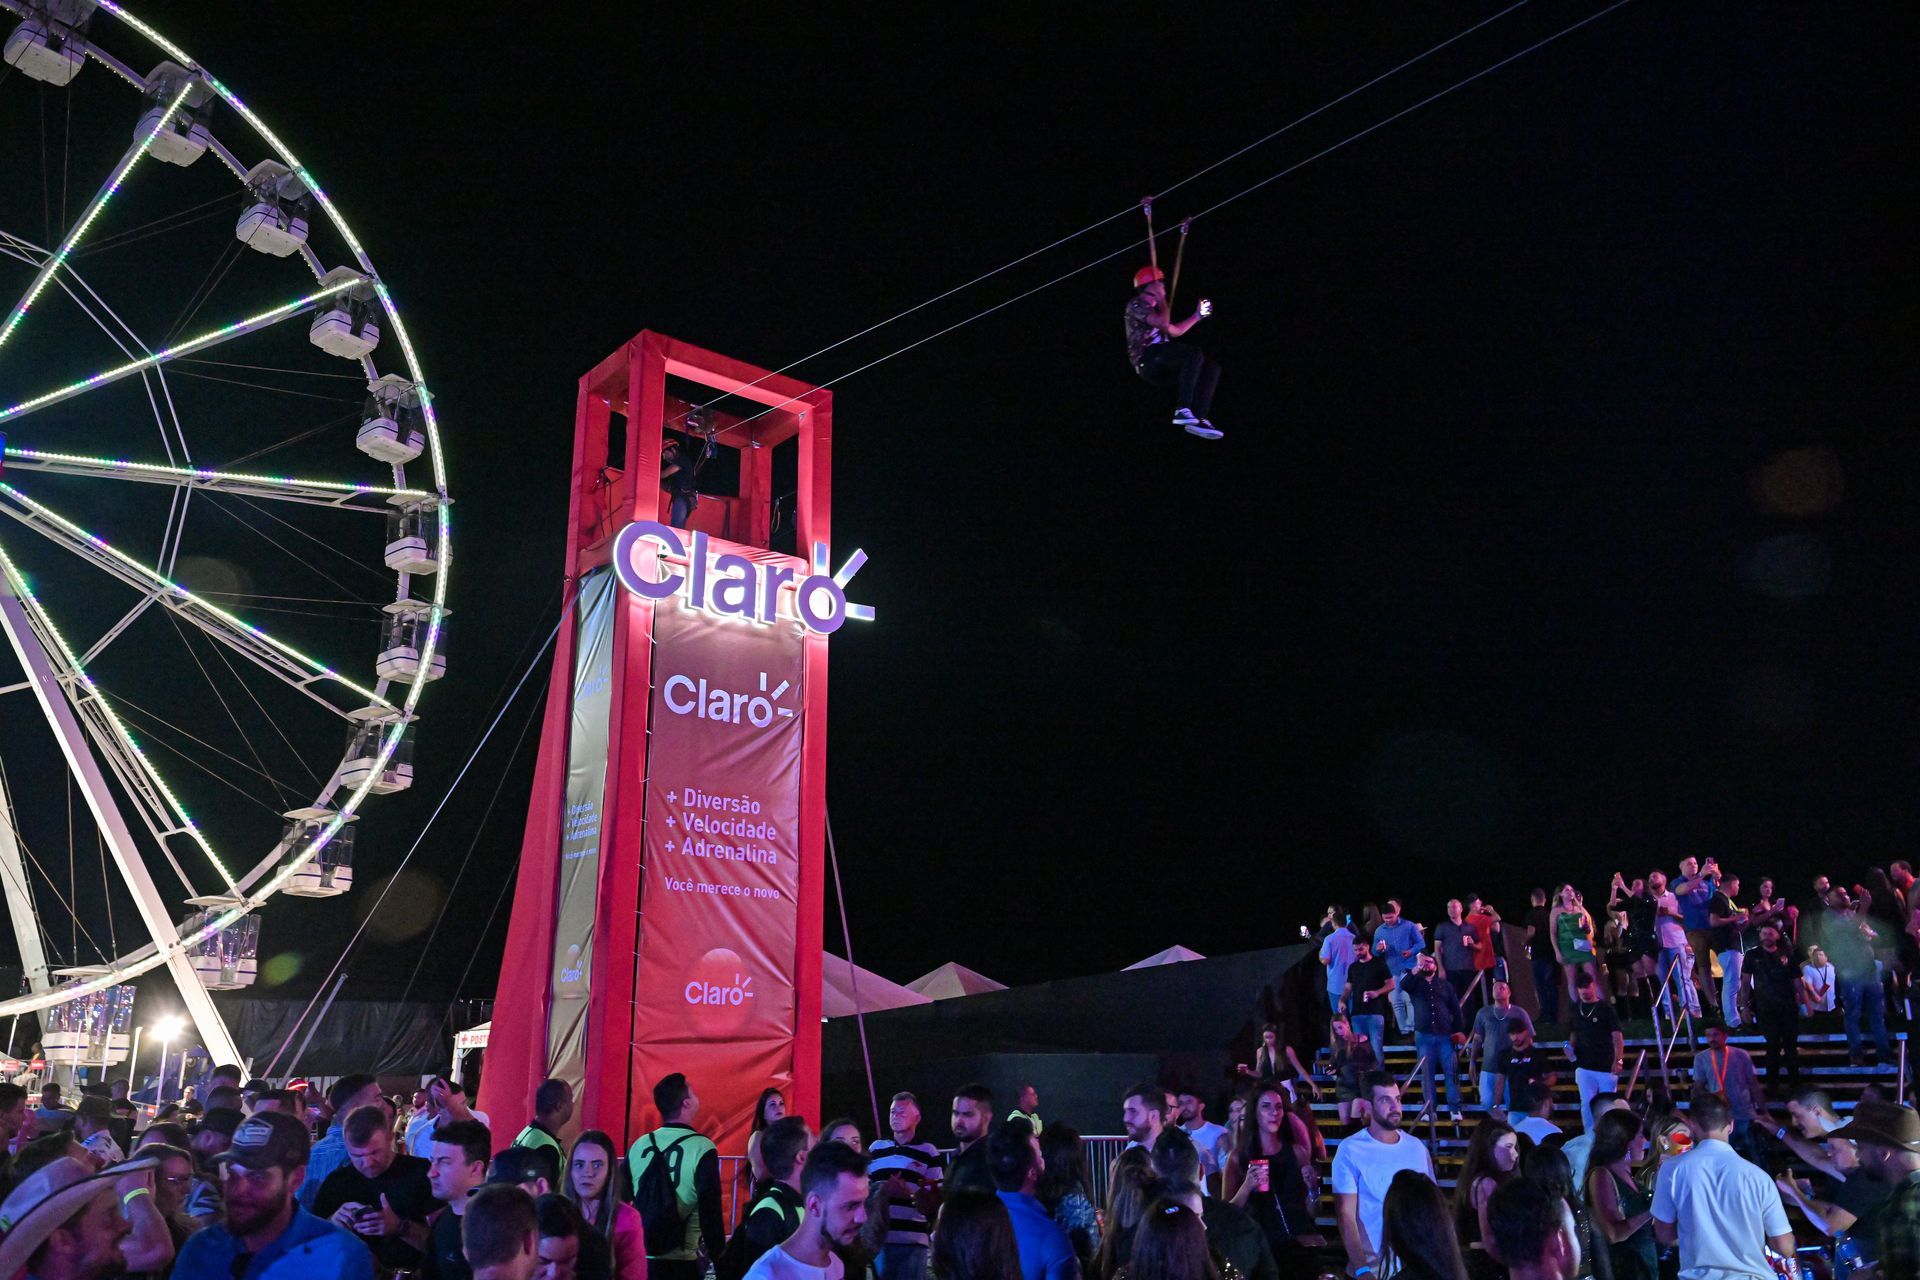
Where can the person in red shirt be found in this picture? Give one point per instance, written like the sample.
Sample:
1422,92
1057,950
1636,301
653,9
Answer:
1489,944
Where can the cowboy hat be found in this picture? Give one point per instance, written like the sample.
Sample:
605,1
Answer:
1887,1124
47,1200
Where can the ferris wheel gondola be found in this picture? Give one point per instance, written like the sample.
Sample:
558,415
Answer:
111,526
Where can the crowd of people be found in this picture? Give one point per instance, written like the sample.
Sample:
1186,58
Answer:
252,1182
1694,947
258,1184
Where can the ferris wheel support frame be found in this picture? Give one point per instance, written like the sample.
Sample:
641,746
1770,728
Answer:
113,827
26,922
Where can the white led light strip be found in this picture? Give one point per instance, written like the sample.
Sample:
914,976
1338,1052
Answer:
280,312
201,475
93,210
169,586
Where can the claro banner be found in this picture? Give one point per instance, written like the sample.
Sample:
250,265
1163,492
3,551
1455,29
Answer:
580,826
719,904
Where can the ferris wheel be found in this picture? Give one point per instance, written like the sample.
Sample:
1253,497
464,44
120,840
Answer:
224,561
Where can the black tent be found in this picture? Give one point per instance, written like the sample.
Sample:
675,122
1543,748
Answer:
1082,1041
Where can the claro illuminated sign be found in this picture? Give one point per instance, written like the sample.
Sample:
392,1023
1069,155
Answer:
734,586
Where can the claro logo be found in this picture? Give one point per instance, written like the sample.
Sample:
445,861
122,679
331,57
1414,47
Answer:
734,586
719,990
686,696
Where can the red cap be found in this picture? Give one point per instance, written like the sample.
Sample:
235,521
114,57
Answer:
1146,276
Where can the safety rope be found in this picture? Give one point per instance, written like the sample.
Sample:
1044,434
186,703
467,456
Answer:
1179,252
853,977
1153,245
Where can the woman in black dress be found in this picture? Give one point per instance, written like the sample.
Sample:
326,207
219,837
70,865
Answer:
1622,1207
1549,1169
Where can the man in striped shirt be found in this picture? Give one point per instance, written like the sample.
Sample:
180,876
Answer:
911,1172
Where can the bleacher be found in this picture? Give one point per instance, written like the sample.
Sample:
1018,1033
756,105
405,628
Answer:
1823,1064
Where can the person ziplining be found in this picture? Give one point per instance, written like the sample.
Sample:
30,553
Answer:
1154,345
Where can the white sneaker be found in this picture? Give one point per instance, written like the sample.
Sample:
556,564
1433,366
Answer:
1204,429
1184,418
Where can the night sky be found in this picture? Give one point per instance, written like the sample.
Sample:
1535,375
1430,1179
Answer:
1564,522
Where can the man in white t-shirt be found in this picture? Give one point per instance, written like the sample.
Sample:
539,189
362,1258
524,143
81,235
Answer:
1209,1139
1363,1169
834,1183
1721,1209
1531,1114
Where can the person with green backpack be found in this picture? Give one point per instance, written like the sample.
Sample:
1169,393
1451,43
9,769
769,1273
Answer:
778,1206
676,1186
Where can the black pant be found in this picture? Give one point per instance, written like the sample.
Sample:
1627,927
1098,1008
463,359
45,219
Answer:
676,1269
1546,987
1182,363
1461,980
1780,1024
681,509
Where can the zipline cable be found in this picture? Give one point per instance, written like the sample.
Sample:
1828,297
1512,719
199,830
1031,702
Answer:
394,879
1135,246
1113,217
479,830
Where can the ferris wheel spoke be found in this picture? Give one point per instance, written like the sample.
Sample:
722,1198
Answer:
326,493
55,672
289,665
94,208
211,338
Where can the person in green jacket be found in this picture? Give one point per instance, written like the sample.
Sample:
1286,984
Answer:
552,1110
693,1163
1027,1107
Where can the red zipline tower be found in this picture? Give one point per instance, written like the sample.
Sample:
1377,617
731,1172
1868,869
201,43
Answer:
667,915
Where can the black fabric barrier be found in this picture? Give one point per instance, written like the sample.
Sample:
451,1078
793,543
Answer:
379,1036
1082,1040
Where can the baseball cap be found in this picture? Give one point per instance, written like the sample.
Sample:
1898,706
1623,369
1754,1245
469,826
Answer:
517,1166
269,1140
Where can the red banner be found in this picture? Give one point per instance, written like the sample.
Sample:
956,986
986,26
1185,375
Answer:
719,897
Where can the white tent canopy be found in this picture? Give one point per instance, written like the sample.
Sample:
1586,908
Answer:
1175,954
838,981
837,991
952,980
